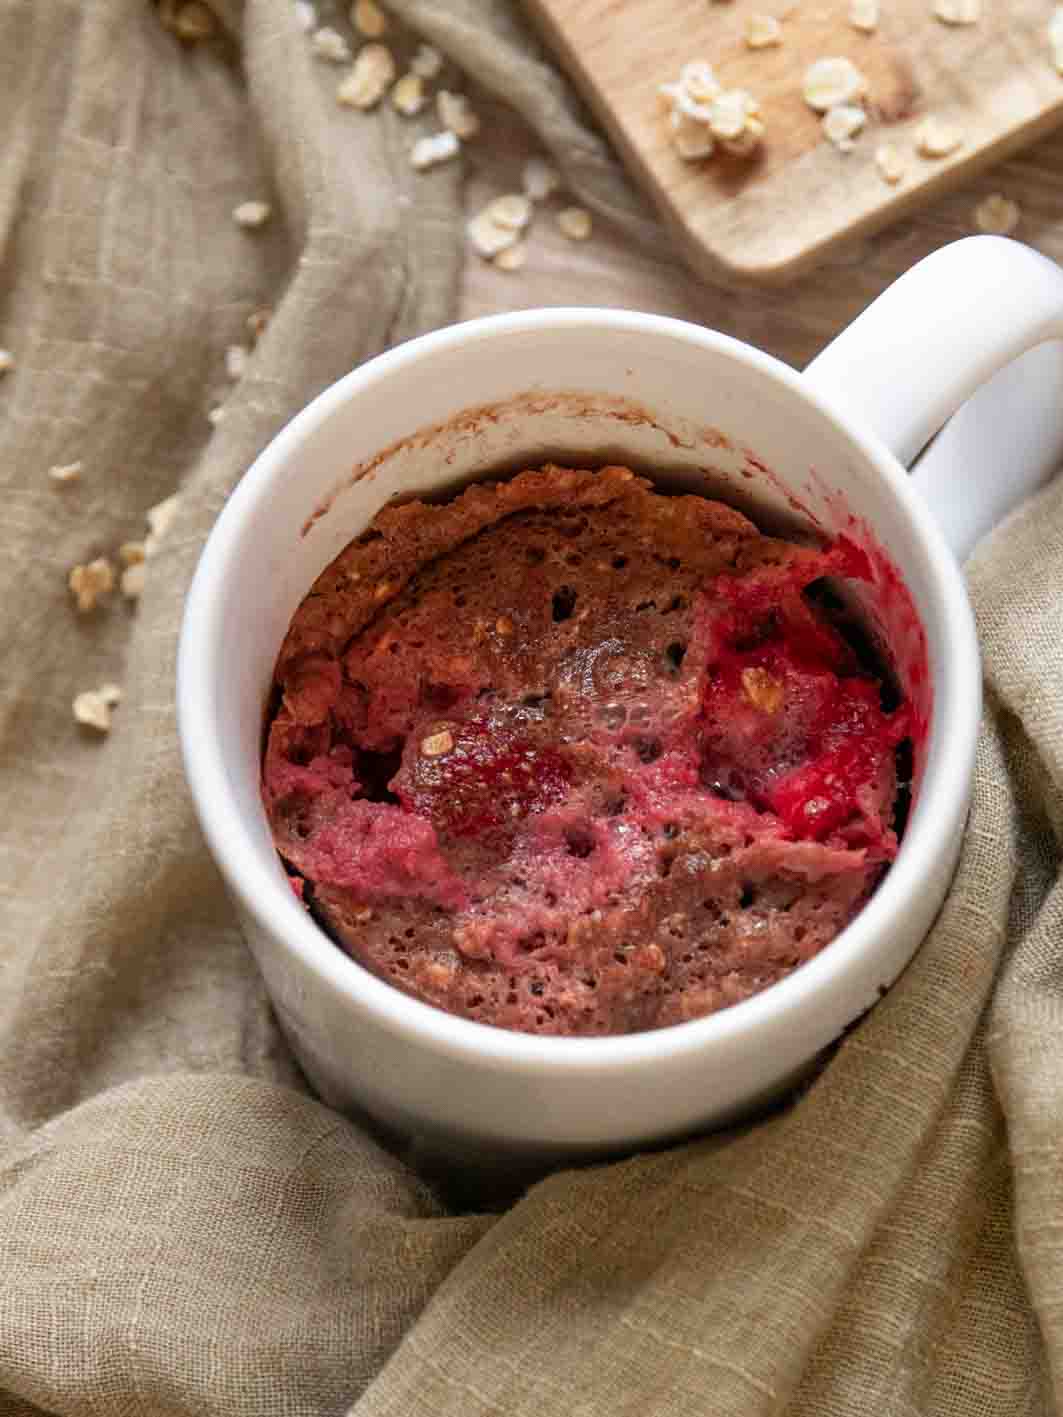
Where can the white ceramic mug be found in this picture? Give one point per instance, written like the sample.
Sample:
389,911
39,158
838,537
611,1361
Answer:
830,445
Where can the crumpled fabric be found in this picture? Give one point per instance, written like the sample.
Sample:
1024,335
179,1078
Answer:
183,1228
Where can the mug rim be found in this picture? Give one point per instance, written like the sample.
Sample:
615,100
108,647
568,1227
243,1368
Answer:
280,916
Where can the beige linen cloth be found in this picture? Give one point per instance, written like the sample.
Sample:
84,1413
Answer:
183,1228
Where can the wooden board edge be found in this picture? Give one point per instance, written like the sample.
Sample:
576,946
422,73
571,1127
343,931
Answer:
716,269
631,159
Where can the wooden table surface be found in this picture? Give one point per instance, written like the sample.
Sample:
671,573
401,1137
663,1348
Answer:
793,323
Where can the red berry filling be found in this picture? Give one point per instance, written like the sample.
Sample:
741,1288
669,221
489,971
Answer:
789,723
490,777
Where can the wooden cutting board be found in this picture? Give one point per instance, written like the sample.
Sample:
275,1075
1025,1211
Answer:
769,219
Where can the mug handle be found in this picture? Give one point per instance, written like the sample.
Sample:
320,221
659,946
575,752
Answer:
958,347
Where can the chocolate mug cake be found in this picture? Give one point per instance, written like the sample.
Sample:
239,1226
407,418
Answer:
568,755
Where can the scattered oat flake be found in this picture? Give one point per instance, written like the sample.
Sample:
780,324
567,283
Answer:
456,114
7,361
935,138
512,258
729,113
93,707
997,215
691,139
330,45
305,16
370,78
575,223
762,31
159,519
215,415
439,147
89,582
863,15
1055,37
889,162
195,21
678,99
190,21
257,322
693,91
958,12
427,62
731,118
748,140
831,81
130,553
539,179
236,357
438,975
437,745
252,214
699,80
91,710
841,125
487,237
368,19
692,94
65,473
763,690
408,96
132,581
512,211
